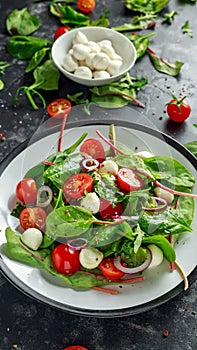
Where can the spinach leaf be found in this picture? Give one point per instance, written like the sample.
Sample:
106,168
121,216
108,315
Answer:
192,147
106,188
161,65
24,47
146,6
67,15
163,244
46,76
36,59
168,17
187,29
22,22
141,42
138,23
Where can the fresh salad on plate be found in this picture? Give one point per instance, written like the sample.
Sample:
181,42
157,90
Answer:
99,214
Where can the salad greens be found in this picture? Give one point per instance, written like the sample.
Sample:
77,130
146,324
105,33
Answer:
126,235
22,22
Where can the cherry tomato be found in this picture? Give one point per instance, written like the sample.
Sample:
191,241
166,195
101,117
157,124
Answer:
86,6
76,185
108,210
178,110
128,180
33,217
94,148
65,259
59,107
109,270
26,191
60,31
75,347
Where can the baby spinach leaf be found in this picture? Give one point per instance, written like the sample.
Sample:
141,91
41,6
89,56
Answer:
22,22
192,147
139,23
24,47
67,15
146,6
163,244
46,77
161,65
36,59
141,42
168,17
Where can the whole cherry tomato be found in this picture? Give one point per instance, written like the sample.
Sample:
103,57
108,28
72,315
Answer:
86,6
65,259
60,31
26,191
178,110
75,347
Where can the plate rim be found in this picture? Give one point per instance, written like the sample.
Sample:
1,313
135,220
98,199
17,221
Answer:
132,310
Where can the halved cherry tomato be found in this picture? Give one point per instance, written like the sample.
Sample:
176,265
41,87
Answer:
76,185
109,270
94,148
65,259
75,347
60,31
26,191
108,210
128,180
59,107
33,217
178,110
86,6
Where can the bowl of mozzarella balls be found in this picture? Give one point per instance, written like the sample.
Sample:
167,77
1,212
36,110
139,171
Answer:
93,56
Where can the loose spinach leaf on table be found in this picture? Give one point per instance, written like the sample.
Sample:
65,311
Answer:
192,147
37,59
163,66
146,6
67,15
138,23
22,22
24,47
141,42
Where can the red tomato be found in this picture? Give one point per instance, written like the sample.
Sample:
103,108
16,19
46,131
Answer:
33,217
128,180
109,270
75,347
59,107
76,185
65,259
94,148
107,210
26,191
60,31
178,110
86,6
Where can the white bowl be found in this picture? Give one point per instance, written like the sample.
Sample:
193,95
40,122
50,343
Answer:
121,44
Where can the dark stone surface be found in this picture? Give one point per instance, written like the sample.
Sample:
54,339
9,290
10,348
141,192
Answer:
26,324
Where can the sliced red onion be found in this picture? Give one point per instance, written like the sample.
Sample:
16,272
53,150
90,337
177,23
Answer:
90,164
49,196
126,217
162,205
78,243
133,270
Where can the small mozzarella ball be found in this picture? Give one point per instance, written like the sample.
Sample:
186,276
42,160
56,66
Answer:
80,38
108,167
69,63
105,43
169,197
89,61
115,56
83,72
90,258
114,67
80,51
108,50
32,237
101,61
144,154
101,74
94,47
157,256
91,202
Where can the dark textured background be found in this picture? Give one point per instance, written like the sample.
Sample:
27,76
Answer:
27,324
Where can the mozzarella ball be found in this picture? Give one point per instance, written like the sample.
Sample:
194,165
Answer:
94,47
91,202
69,63
101,74
157,256
104,43
83,72
114,67
115,56
89,61
80,38
32,237
101,61
80,51
108,167
169,197
144,154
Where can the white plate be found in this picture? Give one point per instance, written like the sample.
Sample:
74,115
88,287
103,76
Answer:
158,286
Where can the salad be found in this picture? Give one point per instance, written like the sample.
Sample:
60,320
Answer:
96,217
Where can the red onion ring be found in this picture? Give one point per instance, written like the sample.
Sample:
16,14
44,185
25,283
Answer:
90,164
49,192
78,243
133,270
159,208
